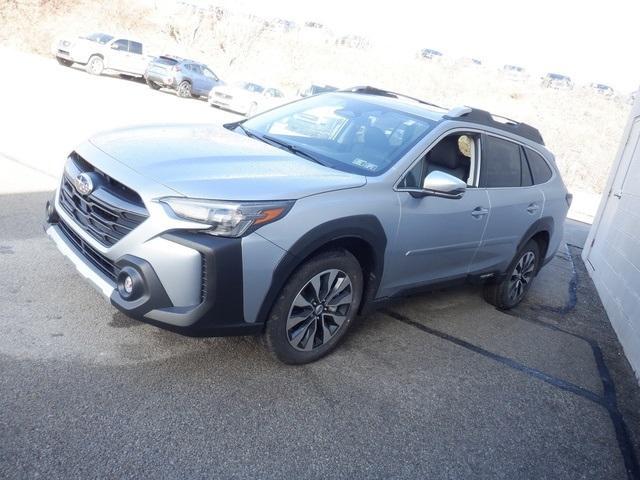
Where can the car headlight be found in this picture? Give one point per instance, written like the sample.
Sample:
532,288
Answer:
227,219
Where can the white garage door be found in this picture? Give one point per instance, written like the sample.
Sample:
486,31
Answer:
615,253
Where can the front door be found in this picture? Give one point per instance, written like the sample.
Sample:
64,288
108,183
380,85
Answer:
438,237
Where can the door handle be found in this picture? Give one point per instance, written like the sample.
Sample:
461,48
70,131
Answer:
533,208
479,212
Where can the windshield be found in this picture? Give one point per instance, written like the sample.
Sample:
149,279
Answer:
253,87
343,131
101,38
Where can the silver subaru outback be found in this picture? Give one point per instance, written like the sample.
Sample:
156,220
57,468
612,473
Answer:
292,223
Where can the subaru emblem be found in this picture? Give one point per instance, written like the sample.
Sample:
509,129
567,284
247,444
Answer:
83,184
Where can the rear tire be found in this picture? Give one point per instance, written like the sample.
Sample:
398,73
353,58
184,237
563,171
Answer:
184,89
95,65
512,289
315,308
64,62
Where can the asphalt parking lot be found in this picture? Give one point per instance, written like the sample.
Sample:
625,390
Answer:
435,386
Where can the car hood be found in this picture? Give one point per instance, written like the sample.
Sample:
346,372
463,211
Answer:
204,161
235,91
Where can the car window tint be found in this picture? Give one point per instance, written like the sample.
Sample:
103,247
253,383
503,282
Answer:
526,179
413,178
501,163
539,167
135,47
121,45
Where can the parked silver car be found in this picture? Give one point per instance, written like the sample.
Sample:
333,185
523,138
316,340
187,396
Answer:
279,227
187,77
246,98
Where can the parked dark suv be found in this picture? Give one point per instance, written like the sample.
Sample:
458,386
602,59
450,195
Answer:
187,77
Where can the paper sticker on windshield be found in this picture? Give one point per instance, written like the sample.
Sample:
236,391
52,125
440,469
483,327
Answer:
372,167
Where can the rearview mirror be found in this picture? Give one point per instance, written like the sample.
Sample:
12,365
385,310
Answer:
440,184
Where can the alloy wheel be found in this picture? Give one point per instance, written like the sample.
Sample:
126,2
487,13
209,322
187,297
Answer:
319,310
521,276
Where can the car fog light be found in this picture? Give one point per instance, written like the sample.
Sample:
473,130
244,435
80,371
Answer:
127,284
130,284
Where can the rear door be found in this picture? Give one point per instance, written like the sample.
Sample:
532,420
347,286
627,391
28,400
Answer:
119,55
197,79
137,63
516,203
209,80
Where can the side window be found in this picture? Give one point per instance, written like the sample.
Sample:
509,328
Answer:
208,73
501,163
539,167
455,155
121,45
135,47
413,178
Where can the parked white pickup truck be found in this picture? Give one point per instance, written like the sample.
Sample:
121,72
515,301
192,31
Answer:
100,51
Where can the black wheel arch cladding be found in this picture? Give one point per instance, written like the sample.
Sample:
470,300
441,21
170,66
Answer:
363,228
542,225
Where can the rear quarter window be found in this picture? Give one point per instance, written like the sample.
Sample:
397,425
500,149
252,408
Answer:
539,167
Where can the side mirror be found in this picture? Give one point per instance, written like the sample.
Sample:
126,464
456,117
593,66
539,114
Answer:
440,184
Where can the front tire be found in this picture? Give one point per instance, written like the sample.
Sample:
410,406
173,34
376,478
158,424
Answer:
512,289
315,308
95,65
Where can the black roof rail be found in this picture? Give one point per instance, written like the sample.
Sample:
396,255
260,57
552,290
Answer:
482,117
368,90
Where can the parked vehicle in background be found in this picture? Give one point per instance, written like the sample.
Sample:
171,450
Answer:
514,72
602,89
246,98
100,51
557,81
187,77
430,54
314,89
269,226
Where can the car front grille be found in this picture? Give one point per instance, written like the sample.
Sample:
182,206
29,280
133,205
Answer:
107,213
223,95
102,263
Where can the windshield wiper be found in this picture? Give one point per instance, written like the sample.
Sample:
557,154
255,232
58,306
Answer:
248,133
293,149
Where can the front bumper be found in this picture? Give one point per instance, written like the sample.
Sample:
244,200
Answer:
218,310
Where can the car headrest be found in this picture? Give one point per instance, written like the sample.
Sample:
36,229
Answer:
446,153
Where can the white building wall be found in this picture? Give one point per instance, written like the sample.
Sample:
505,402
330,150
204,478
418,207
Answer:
612,250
